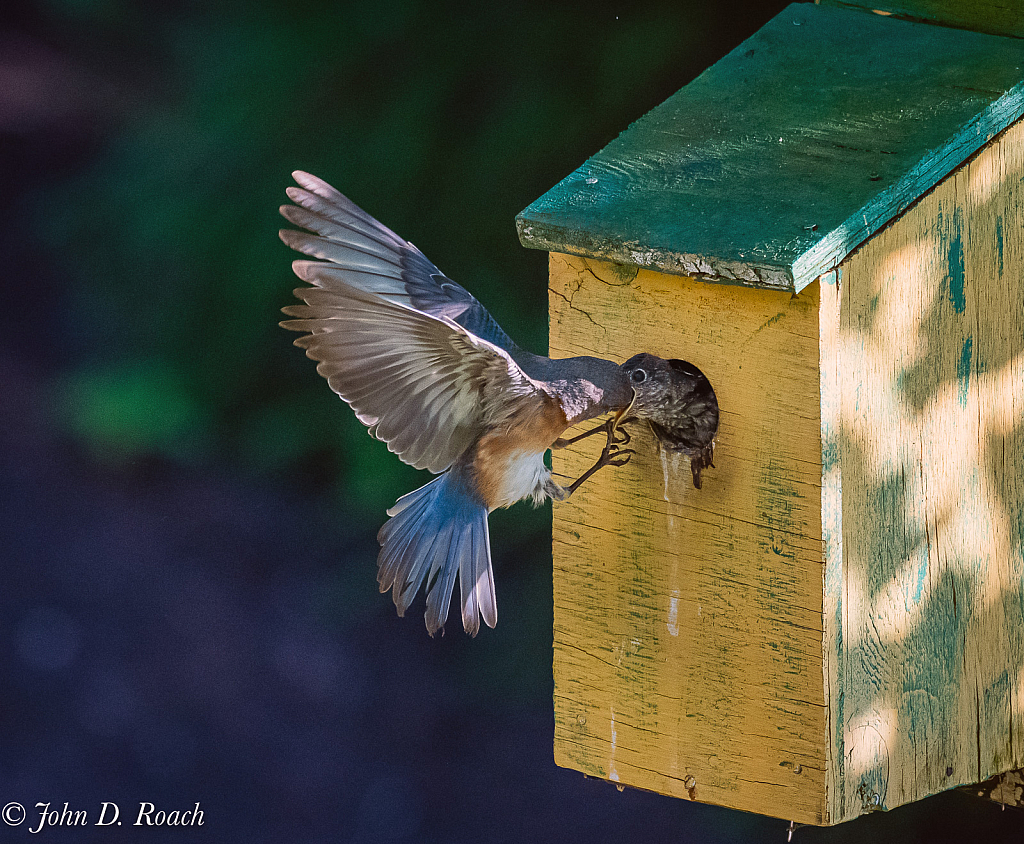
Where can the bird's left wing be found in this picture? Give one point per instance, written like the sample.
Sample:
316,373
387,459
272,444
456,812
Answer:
357,250
424,385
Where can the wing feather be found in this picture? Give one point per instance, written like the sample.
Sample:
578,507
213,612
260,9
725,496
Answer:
336,231
420,383
356,250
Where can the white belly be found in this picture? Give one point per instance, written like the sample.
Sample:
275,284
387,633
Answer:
525,476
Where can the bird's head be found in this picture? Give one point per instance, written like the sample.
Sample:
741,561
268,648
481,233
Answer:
676,399
666,387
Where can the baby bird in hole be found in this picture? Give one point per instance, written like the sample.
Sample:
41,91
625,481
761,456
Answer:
679,404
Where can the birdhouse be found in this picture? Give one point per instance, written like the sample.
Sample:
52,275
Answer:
829,223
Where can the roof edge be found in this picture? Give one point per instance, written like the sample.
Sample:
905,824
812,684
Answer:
834,247
552,238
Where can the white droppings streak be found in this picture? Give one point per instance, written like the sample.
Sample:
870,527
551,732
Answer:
613,774
672,624
676,457
664,470
673,540
672,475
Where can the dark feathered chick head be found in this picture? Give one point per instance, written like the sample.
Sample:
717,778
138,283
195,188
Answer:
679,403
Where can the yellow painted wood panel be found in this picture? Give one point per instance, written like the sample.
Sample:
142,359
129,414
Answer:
832,536
688,624
929,354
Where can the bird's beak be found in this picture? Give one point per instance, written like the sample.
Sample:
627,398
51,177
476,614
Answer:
621,414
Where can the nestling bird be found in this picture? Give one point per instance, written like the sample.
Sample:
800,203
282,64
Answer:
429,372
677,401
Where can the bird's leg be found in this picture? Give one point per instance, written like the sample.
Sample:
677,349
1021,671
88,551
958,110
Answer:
611,455
621,437
562,443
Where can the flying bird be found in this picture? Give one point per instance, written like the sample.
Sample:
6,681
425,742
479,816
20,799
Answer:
427,369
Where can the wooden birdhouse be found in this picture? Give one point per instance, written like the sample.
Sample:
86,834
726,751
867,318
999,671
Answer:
829,222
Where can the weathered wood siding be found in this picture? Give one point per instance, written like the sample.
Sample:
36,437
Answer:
923,390
835,623
688,624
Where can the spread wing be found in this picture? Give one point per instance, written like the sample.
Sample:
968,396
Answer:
424,385
365,254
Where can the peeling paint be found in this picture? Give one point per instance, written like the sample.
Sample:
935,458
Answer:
963,369
955,269
999,245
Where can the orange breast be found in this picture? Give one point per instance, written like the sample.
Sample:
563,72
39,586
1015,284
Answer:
508,461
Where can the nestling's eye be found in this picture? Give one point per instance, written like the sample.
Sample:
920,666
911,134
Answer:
638,376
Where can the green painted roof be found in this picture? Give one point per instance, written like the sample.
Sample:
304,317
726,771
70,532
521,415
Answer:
775,163
997,17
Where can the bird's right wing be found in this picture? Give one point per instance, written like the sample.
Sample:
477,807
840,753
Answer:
361,252
422,384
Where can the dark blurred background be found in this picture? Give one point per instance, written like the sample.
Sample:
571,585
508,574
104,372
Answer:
188,514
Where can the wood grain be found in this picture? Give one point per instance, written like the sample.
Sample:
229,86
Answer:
867,114
831,380
688,624
925,606
834,624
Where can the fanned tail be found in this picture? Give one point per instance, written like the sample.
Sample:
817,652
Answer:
435,532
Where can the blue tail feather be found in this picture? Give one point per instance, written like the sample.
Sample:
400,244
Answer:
434,533
475,580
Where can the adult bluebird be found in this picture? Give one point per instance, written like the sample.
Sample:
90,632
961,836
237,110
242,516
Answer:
429,372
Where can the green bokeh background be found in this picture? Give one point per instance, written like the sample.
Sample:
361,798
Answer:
442,120
443,123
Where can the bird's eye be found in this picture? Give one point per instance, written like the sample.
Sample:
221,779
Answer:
638,376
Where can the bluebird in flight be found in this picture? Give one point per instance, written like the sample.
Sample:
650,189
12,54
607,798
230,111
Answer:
427,369
677,401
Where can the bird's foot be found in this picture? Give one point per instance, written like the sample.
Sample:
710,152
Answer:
611,455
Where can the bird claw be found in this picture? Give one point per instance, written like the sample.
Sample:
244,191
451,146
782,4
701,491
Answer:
611,455
618,457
